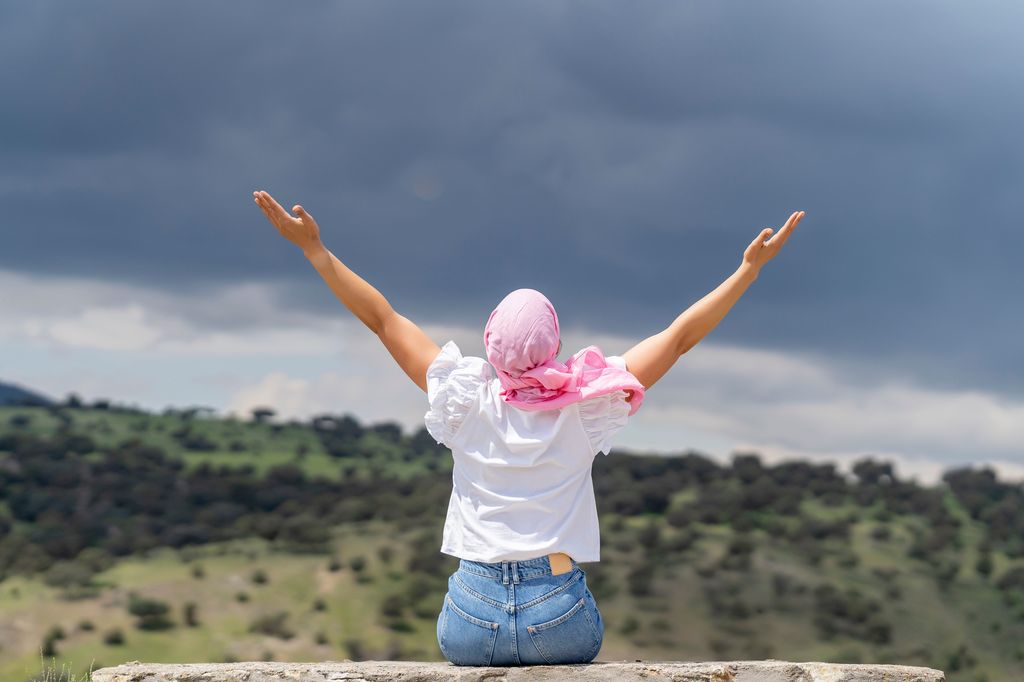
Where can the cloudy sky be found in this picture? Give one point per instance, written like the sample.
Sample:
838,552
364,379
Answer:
616,156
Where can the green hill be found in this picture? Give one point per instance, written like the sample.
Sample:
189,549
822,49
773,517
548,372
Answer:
11,394
182,537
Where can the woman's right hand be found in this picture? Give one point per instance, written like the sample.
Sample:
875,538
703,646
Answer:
301,231
760,251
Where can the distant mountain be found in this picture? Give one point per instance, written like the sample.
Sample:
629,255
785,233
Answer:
15,395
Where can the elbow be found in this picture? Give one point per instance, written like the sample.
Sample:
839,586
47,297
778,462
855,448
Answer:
685,343
378,323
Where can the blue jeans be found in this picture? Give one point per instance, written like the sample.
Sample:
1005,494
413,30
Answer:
511,613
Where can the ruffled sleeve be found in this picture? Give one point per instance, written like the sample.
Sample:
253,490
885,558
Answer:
605,415
453,388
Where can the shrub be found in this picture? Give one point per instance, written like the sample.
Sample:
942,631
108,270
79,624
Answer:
113,637
639,579
190,614
272,624
392,606
151,614
355,649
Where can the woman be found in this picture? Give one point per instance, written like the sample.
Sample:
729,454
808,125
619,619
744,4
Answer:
523,429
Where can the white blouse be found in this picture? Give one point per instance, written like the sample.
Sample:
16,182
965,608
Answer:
521,485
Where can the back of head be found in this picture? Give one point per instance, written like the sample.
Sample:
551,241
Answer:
521,332
522,339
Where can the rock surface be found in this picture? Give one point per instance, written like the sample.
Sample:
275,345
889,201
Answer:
410,671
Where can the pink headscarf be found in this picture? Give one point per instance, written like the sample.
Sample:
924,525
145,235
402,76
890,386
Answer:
521,338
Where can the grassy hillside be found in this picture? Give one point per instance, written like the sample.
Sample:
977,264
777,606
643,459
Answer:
11,394
320,541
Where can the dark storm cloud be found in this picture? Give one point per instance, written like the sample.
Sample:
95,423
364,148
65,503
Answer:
617,157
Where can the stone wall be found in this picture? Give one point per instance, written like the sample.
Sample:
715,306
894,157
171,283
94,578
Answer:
617,671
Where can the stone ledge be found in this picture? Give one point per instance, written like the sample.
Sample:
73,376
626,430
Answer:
768,670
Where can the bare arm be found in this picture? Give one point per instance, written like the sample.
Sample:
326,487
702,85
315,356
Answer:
411,348
650,359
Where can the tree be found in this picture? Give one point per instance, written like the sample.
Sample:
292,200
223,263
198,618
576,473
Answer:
151,613
190,615
262,414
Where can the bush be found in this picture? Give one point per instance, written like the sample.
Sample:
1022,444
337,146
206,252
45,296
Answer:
272,624
640,578
68,573
49,647
392,606
650,535
355,649
113,637
151,614
190,614
882,533
400,625
984,565
304,531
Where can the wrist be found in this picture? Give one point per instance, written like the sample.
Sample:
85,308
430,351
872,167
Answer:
315,250
749,270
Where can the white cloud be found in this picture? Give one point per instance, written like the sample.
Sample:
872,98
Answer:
246,348
240,319
109,328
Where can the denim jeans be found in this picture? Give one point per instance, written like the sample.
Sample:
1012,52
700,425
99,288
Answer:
511,613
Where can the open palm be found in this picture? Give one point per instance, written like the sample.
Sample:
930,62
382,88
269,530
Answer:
301,231
760,251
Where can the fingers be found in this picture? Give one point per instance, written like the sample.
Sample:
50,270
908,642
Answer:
759,240
274,211
782,235
262,203
274,206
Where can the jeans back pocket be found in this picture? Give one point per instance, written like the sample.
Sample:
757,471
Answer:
572,637
465,639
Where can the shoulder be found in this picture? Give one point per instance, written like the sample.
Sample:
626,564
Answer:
605,415
453,387
451,355
617,360
620,362
450,362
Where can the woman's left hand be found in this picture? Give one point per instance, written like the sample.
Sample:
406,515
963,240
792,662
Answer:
760,251
301,231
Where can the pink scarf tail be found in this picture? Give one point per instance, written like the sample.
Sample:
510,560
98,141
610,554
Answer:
585,375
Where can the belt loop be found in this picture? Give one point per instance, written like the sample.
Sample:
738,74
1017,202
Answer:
515,572
504,572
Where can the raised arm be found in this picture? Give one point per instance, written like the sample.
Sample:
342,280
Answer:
411,348
650,359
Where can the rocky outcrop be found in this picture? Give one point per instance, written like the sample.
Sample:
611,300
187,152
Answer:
618,671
